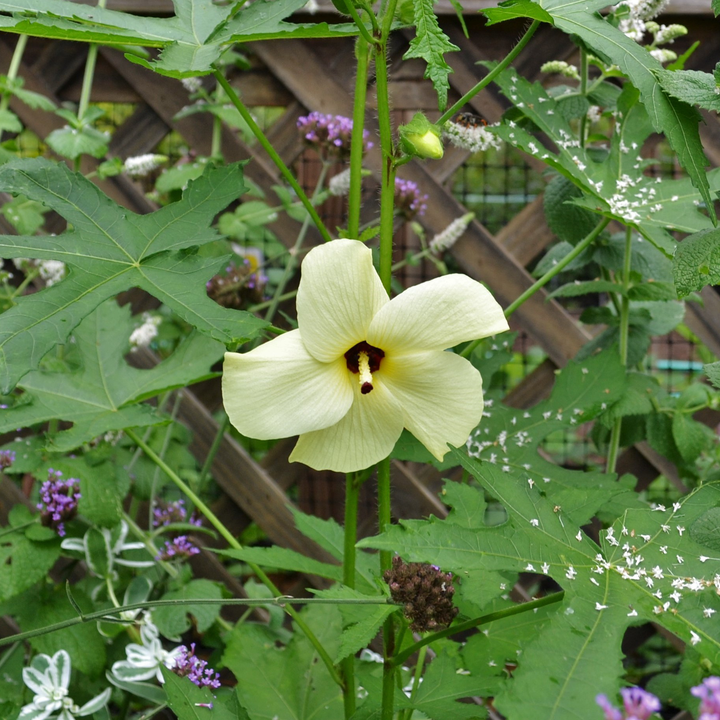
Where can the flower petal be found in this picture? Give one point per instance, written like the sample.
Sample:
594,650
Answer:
95,704
338,296
33,712
279,389
61,660
366,435
440,394
436,315
123,670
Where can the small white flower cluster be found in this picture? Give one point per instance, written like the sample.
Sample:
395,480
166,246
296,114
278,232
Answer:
593,114
665,34
640,11
311,6
562,68
663,55
451,234
191,84
141,165
473,138
51,271
142,336
339,185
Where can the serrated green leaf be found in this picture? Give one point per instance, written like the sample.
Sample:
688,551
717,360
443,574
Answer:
430,44
103,393
23,562
697,262
72,142
691,86
285,559
691,436
511,9
290,682
569,222
110,249
360,623
173,620
10,121
677,120
635,400
652,291
578,287
190,702
706,529
712,370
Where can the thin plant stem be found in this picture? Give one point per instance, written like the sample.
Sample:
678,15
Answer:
213,451
108,614
524,40
295,251
12,72
364,32
583,92
417,675
89,74
216,140
384,520
357,145
233,543
614,446
401,657
267,303
352,494
270,150
545,279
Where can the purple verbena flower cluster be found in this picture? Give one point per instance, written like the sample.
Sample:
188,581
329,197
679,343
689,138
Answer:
409,201
187,664
709,693
7,458
639,705
330,135
174,512
179,547
58,501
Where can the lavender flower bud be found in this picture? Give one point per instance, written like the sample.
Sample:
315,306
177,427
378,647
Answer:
409,201
638,704
179,547
7,458
174,512
58,501
187,664
709,693
425,592
330,135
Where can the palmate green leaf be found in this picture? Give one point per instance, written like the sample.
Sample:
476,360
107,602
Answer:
712,370
676,119
72,142
110,249
647,569
508,438
430,44
173,620
103,394
190,702
289,683
192,40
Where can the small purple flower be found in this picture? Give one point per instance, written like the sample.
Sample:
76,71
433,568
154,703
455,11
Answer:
709,693
330,135
187,664
409,201
173,512
179,547
58,501
7,458
639,705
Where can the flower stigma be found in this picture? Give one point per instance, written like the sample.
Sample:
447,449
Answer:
363,359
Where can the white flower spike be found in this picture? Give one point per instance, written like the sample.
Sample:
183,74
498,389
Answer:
360,366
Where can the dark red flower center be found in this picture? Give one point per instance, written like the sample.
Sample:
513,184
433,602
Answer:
364,359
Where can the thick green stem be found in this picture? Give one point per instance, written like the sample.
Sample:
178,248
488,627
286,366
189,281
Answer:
108,614
352,493
614,448
357,144
545,279
364,32
233,543
524,40
401,657
270,150
384,520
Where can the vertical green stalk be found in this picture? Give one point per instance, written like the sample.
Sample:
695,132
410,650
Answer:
12,72
270,150
216,141
352,494
89,74
233,543
362,52
583,91
614,448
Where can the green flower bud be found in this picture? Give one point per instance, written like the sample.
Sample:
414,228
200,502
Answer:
421,138
561,67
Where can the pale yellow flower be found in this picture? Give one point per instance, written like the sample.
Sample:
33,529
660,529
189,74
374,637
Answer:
360,366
